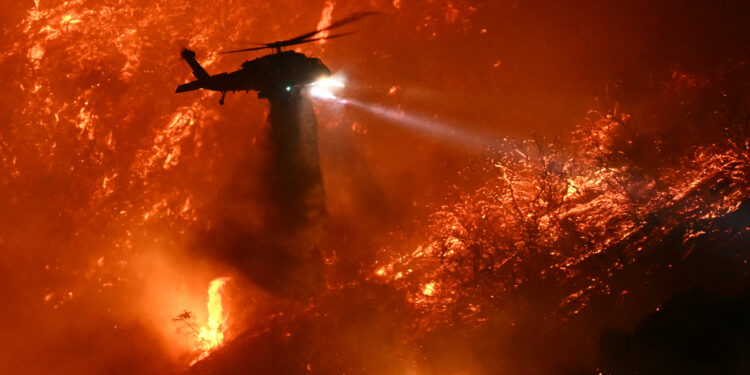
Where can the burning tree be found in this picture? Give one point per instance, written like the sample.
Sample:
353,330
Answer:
556,222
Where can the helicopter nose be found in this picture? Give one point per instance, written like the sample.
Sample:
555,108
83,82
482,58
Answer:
321,70
325,71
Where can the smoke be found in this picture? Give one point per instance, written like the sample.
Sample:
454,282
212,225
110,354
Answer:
269,222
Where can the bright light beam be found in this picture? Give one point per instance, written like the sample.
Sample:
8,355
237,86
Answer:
451,133
325,89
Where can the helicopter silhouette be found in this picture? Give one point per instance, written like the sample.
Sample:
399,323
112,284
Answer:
275,76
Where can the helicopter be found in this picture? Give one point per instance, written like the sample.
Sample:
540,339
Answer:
275,76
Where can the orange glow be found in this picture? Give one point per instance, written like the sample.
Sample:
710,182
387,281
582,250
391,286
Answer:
121,200
560,196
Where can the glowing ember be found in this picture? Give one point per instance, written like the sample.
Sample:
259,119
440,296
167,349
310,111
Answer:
211,336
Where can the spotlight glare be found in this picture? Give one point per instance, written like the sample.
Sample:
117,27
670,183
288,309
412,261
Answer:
321,92
325,87
332,81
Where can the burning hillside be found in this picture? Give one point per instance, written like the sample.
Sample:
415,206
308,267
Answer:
559,241
555,214
148,232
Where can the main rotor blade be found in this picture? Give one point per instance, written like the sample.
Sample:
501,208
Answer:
352,18
322,38
304,37
244,50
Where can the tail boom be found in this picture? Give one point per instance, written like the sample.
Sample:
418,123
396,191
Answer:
198,70
190,86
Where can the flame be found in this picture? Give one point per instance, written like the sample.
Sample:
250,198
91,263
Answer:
211,336
325,20
380,271
88,118
561,211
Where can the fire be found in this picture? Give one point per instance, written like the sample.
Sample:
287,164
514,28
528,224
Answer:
104,168
542,206
380,271
325,20
211,336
